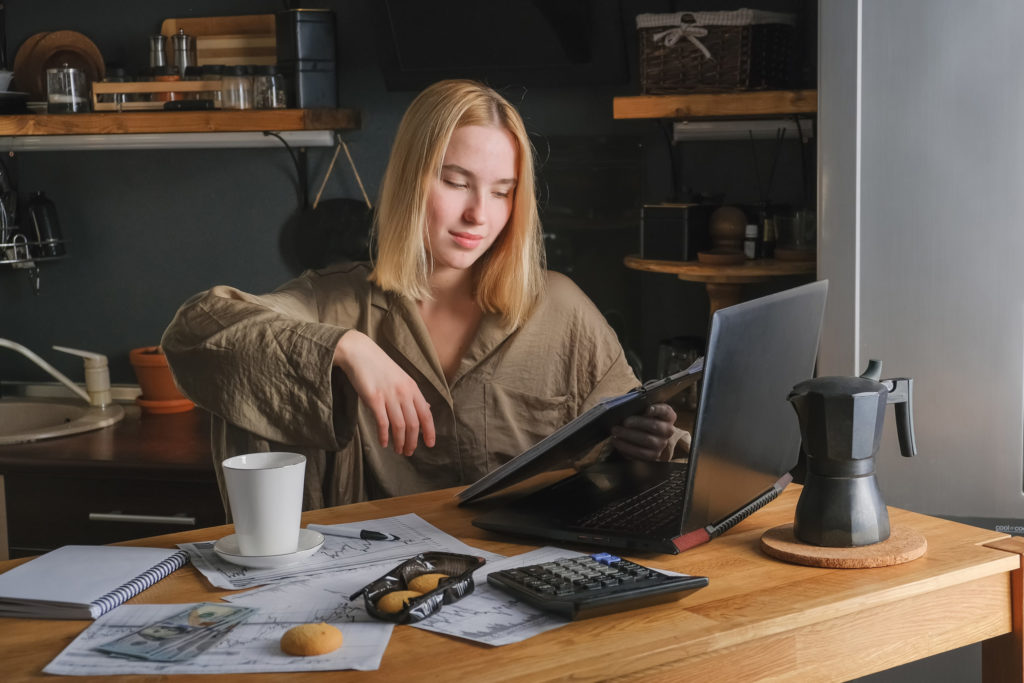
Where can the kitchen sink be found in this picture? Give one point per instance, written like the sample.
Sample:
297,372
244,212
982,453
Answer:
23,419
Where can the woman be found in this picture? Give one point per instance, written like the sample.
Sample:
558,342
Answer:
455,332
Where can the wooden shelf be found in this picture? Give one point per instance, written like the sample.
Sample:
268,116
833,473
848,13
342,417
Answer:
724,283
220,121
759,270
717,105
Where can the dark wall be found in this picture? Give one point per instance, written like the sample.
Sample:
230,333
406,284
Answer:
149,228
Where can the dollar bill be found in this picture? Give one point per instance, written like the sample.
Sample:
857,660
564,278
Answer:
182,636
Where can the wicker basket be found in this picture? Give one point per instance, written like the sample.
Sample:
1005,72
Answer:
687,52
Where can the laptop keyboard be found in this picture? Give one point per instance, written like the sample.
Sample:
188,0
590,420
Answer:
643,511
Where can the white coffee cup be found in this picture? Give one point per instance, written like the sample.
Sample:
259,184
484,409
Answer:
265,495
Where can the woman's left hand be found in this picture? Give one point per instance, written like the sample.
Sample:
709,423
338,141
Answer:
652,435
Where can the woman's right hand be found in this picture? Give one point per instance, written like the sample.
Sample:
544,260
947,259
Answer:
392,395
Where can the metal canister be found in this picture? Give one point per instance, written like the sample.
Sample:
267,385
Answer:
183,51
157,50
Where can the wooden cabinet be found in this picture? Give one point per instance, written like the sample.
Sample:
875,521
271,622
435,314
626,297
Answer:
46,510
148,474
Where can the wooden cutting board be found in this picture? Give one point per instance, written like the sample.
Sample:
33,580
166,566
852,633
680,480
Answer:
210,26
239,39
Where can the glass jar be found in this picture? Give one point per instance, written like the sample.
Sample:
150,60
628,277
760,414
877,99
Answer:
114,75
268,91
213,72
236,92
166,74
192,73
67,90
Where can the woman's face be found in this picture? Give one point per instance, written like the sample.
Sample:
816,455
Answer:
471,202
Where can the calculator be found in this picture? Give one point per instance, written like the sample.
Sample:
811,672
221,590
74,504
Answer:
592,585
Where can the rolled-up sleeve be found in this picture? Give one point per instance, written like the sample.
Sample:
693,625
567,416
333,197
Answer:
263,363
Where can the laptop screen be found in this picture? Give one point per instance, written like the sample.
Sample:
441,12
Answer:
746,434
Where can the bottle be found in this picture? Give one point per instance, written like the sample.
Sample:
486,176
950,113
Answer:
750,241
768,235
236,93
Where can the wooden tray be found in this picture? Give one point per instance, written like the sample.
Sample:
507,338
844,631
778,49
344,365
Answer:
147,87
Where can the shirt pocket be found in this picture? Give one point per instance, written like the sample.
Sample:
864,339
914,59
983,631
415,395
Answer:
514,420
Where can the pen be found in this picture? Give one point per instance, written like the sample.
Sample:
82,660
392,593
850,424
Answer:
364,534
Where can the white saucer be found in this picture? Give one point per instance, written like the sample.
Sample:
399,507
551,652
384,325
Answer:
309,542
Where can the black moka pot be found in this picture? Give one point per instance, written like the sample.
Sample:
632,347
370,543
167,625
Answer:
841,420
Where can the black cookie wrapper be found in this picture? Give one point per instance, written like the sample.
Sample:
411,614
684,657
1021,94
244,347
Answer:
458,585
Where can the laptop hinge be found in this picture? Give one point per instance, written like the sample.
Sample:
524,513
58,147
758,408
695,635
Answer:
699,536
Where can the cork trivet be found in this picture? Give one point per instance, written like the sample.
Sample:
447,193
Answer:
903,545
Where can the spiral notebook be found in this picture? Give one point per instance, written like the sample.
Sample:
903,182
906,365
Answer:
83,581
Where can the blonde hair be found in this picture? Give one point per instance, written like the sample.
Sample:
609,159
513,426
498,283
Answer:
510,275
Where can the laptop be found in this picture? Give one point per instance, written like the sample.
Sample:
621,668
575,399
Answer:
744,443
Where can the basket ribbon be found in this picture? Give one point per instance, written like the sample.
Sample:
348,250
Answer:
690,31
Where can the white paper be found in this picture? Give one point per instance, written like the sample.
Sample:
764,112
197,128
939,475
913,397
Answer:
491,616
252,647
310,595
415,535
487,615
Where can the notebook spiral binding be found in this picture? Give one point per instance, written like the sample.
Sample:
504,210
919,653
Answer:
140,583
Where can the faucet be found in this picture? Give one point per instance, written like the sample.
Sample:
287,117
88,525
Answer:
97,377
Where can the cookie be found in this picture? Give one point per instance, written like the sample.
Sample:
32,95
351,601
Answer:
395,601
424,583
307,640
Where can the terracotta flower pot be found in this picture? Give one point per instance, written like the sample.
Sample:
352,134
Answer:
159,393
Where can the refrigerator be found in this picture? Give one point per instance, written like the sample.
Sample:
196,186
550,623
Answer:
921,236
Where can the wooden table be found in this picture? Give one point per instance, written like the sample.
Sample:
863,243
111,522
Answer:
724,283
758,618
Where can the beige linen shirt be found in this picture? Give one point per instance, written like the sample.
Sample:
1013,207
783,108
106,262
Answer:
262,365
